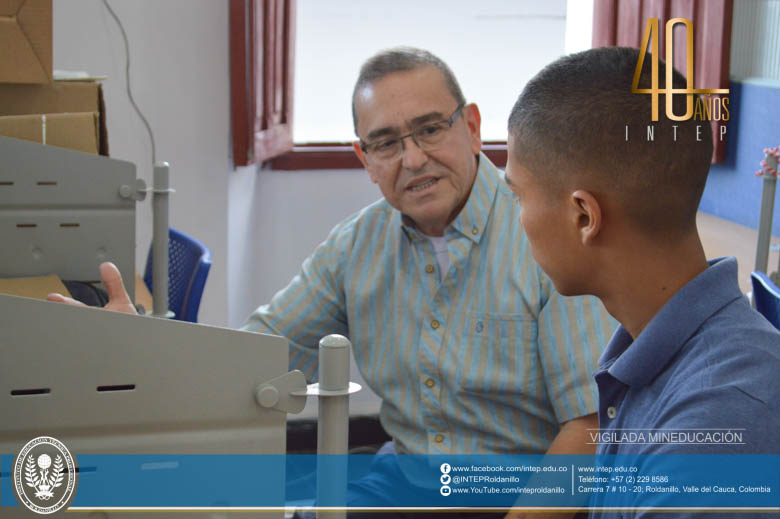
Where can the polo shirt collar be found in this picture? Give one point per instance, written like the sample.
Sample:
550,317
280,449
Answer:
473,217
637,362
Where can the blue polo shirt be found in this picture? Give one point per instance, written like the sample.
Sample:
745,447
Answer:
706,361
703,377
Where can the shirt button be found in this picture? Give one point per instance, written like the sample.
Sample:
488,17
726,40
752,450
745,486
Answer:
429,268
438,438
611,412
474,231
479,327
430,382
435,324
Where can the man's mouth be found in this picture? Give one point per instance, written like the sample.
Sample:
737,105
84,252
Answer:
422,187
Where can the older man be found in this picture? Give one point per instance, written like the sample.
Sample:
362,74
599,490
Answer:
453,324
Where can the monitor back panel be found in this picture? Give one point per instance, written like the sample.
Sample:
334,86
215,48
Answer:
104,382
62,212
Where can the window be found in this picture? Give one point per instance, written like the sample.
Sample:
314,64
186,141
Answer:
262,33
493,46
752,58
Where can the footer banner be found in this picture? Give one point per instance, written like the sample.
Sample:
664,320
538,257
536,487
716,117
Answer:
39,479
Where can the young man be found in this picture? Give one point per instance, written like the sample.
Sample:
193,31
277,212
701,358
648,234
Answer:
616,217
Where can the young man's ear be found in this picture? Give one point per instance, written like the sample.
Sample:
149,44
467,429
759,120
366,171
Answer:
589,215
362,158
473,120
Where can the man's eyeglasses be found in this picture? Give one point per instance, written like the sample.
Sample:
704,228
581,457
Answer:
426,138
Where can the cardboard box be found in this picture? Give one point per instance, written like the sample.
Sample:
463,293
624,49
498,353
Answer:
35,287
25,41
78,132
41,286
75,108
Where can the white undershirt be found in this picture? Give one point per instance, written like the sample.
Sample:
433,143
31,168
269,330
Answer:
442,253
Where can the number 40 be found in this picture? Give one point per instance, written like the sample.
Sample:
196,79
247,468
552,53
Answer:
651,35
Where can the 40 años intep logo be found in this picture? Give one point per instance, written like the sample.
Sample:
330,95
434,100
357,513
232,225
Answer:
706,109
45,475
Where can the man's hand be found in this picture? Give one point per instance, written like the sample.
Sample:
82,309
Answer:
118,300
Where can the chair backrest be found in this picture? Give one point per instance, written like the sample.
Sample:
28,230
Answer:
767,297
189,262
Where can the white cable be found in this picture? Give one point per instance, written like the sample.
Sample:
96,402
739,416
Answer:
127,79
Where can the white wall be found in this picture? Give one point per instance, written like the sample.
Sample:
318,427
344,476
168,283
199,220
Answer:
276,219
755,35
259,225
179,59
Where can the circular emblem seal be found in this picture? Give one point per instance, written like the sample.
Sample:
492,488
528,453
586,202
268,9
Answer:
45,475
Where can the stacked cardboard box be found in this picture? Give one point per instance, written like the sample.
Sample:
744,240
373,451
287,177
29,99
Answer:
69,114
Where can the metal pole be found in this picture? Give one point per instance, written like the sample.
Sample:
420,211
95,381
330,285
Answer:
160,194
767,210
333,425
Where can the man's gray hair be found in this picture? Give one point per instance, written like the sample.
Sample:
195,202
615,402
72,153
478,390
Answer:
400,59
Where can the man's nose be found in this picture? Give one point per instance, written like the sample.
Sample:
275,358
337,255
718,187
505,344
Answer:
412,156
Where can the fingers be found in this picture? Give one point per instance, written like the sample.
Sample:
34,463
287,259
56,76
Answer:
118,300
112,279
59,298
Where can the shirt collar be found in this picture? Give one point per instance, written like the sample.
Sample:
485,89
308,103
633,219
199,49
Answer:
637,362
473,217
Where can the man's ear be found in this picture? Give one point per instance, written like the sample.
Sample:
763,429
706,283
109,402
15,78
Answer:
588,213
362,158
473,120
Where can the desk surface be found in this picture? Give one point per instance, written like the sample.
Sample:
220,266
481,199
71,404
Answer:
39,287
142,294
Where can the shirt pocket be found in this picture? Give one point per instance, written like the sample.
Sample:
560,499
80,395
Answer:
500,360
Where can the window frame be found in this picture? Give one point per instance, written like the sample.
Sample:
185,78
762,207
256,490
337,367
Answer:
262,65
262,48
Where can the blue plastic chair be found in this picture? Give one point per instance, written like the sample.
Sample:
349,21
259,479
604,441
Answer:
189,262
767,297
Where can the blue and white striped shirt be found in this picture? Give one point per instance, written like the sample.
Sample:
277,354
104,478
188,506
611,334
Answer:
487,358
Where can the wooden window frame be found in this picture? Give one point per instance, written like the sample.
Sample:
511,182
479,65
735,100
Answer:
262,46
262,65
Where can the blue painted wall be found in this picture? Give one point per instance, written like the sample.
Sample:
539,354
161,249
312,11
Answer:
732,191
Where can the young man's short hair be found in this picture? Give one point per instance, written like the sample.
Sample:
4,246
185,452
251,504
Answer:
570,123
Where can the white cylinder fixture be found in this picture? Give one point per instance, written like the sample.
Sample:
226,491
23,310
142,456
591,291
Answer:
333,424
160,193
767,209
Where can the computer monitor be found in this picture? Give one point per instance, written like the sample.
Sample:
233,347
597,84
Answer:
65,212
105,382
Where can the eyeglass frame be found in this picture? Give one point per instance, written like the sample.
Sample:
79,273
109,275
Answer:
449,121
